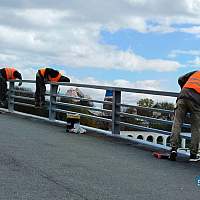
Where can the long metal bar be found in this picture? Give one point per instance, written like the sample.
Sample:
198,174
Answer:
80,106
152,119
23,81
148,108
23,91
82,114
23,104
84,99
28,92
24,98
149,129
145,128
141,91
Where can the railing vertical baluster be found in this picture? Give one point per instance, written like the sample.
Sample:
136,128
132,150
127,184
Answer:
115,111
10,98
52,113
183,142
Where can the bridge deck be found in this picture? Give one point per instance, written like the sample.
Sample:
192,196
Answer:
41,161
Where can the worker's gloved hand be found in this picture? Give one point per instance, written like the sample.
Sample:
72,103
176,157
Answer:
20,83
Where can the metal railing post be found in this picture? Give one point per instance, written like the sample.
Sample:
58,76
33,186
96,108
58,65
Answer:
52,113
10,98
115,112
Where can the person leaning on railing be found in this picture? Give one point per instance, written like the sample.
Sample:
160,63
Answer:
7,73
42,76
187,101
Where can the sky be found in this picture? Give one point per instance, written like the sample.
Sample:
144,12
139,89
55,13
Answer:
126,43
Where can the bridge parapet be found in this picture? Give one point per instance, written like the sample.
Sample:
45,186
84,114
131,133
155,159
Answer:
117,114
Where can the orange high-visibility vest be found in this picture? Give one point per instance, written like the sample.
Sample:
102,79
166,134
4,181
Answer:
51,79
42,71
10,73
55,79
193,82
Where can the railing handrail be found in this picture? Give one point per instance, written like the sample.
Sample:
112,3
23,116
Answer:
106,87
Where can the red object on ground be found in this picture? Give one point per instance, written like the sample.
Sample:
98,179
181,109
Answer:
160,155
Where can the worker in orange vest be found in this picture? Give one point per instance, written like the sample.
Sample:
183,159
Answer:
8,73
187,101
42,76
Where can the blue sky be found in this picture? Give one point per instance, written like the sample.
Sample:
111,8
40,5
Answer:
152,46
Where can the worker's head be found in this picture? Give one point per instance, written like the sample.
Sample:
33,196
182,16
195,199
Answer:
18,76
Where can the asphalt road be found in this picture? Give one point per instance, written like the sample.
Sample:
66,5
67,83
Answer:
39,161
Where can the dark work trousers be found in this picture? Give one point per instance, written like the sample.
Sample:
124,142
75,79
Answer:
3,89
184,106
40,90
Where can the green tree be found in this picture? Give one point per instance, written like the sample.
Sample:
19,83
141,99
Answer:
164,105
164,116
146,102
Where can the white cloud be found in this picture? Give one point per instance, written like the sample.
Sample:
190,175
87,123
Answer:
177,52
193,30
72,45
43,18
68,33
195,61
195,54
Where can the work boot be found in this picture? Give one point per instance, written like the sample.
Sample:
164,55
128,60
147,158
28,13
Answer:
194,158
173,154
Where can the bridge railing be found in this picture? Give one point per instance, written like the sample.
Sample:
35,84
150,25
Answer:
116,113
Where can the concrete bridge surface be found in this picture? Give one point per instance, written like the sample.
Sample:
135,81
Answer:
40,161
